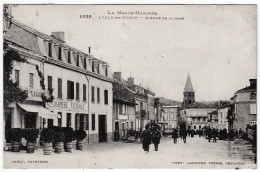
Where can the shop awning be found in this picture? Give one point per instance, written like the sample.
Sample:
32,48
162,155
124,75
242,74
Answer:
43,112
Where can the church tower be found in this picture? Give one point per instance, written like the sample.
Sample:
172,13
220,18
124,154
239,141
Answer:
188,93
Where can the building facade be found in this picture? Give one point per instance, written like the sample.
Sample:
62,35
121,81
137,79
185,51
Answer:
79,85
123,109
245,109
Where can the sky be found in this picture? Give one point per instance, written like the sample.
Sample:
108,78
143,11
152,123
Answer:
215,44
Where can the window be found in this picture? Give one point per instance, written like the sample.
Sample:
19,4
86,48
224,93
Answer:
84,92
93,94
70,90
77,91
69,57
68,120
31,80
85,63
87,122
59,55
93,122
60,119
221,116
17,76
106,97
194,127
132,125
59,88
50,49
93,66
253,109
253,96
98,95
120,109
49,82
82,121
77,60
98,68
106,71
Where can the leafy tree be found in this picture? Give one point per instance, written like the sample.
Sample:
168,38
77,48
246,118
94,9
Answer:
12,91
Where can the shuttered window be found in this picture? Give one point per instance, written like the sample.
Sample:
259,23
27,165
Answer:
59,88
31,80
70,90
93,94
84,92
77,91
49,82
106,97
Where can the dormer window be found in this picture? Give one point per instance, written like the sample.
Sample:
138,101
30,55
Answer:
85,63
98,68
69,57
50,49
59,54
106,71
77,60
93,66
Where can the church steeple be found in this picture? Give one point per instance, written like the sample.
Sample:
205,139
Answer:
188,93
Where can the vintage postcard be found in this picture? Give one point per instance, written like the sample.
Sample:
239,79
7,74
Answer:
129,86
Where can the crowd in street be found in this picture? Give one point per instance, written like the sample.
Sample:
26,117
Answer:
152,134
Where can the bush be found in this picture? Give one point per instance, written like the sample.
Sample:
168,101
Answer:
16,134
47,135
30,134
69,134
59,136
80,134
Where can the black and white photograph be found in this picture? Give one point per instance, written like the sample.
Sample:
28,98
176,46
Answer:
129,86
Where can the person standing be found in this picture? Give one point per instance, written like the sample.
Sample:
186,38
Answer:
156,136
146,138
184,135
214,135
209,134
175,135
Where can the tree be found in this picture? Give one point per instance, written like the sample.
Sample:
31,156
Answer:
12,91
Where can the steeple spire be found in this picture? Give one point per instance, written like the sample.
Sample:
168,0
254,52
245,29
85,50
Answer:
188,87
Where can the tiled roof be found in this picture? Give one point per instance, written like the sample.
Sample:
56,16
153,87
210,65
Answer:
188,87
122,94
200,105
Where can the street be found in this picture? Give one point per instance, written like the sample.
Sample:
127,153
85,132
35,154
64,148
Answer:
196,153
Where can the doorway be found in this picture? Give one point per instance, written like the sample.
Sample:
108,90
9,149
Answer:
102,128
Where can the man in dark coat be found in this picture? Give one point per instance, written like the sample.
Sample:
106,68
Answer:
156,136
174,135
214,135
184,135
209,134
146,138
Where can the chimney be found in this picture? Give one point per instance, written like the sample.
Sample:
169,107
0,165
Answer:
117,75
89,50
252,82
59,35
131,81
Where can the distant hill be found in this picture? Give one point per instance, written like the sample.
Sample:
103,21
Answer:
168,102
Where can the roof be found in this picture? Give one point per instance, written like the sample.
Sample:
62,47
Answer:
188,87
200,105
123,94
247,89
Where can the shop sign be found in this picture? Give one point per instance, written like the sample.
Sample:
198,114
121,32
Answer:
34,94
70,105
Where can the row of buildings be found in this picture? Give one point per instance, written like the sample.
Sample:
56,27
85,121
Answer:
69,88
237,113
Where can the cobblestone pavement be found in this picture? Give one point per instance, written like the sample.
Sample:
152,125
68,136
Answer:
196,153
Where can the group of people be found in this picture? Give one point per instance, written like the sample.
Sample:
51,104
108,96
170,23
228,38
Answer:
150,135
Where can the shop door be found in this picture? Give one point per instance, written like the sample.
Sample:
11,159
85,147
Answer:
30,120
102,128
123,129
